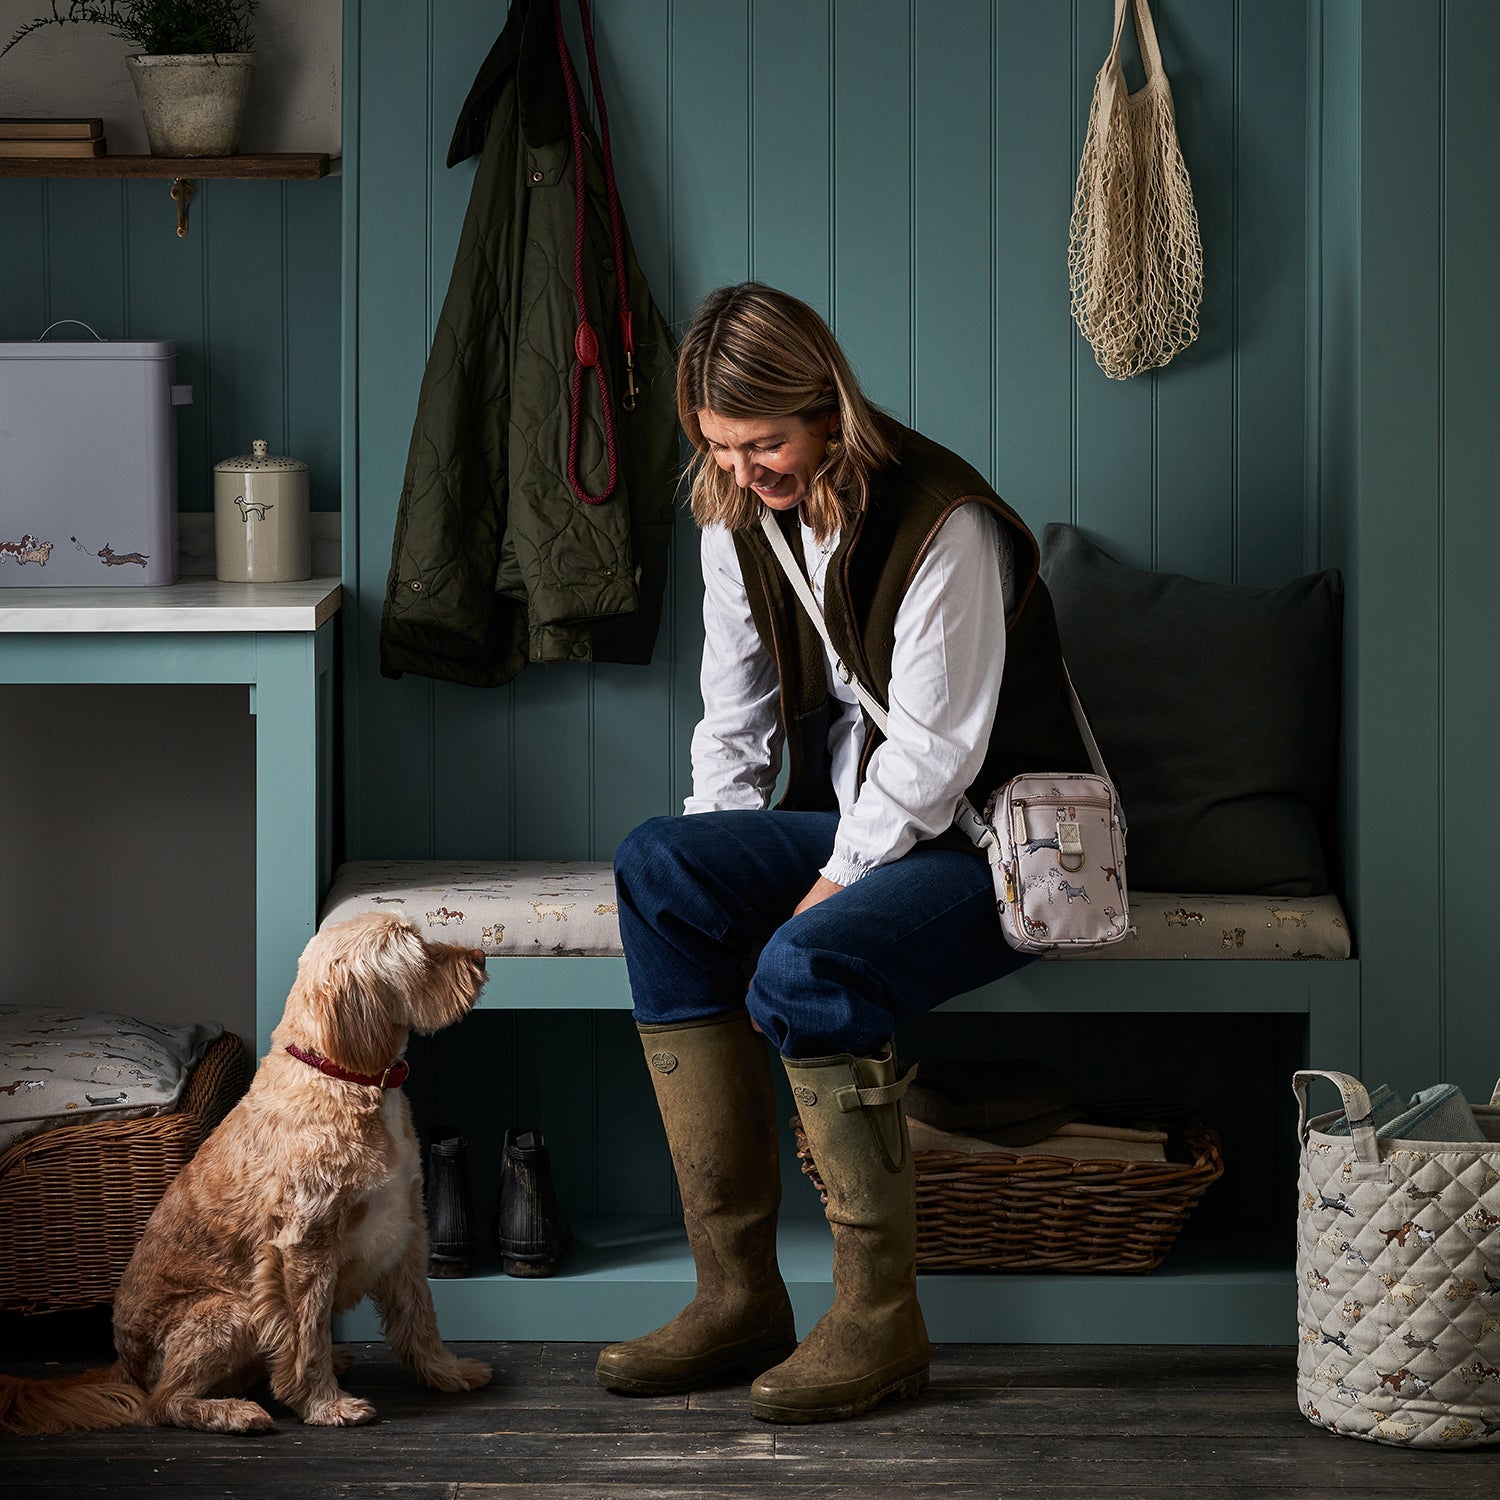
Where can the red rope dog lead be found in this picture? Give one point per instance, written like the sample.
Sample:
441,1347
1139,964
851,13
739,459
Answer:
585,340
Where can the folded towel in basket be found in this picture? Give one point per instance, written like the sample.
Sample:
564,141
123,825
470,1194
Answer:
1440,1113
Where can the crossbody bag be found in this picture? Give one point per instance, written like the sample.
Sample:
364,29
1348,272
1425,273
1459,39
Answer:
1055,840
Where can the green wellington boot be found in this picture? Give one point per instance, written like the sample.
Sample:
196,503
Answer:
871,1346
713,1087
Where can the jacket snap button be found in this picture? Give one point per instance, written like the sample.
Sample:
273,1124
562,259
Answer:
609,572
416,585
581,650
536,176
608,263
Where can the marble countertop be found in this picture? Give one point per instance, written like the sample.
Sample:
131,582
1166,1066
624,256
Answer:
189,605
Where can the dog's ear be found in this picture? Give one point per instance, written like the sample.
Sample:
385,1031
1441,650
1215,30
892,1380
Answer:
351,983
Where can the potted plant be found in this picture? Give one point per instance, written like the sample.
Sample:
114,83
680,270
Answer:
192,72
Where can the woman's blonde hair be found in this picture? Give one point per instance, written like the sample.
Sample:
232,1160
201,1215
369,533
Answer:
754,352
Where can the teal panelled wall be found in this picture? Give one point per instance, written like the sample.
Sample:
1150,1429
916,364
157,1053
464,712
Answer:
908,168
251,298
1410,321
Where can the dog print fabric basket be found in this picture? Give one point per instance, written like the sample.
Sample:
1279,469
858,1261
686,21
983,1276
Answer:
1398,1279
1057,854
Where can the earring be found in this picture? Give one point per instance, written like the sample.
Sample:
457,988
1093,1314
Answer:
833,448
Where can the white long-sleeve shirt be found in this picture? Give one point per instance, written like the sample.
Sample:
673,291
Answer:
945,681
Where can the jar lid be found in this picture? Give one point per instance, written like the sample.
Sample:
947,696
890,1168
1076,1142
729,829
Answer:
259,459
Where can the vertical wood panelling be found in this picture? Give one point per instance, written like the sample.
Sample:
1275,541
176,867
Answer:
23,258
632,742
709,169
791,90
311,323
471,729
1397,725
871,196
393,741
86,272
1471,709
1035,165
1195,395
1113,420
1270,248
169,300
244,245
952,286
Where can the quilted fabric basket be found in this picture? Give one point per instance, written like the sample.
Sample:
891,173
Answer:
73,1201
1398,1272
1054,1213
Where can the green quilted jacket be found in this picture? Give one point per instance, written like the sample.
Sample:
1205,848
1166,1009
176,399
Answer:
495,561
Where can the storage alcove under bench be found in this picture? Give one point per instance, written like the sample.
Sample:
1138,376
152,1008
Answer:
550,930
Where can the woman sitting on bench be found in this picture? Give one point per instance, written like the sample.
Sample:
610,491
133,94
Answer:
853,901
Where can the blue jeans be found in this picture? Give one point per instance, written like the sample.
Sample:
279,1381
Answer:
706,905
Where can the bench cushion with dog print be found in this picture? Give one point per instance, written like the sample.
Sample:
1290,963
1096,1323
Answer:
563,908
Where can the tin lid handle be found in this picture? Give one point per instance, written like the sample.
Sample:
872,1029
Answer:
260,448
59,323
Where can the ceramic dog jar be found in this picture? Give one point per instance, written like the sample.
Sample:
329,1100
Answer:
262,531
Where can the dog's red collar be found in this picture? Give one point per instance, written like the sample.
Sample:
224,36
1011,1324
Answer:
392,1078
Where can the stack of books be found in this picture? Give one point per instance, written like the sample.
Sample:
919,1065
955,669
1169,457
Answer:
52,138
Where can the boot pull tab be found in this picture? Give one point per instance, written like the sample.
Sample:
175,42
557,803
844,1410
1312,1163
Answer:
851,1098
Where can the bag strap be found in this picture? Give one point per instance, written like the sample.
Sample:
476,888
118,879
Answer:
1357,1111
1145,35
967,819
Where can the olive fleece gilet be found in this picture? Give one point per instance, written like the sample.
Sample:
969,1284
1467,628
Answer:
879,551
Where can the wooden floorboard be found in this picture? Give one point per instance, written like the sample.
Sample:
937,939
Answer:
1044,1423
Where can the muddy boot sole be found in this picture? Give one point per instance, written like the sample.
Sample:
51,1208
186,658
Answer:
737,1367
905,1388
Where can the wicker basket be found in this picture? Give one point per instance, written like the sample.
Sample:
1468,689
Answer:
1051,1213
73,1201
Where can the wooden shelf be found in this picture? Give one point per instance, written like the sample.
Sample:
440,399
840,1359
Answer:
266,165
181,171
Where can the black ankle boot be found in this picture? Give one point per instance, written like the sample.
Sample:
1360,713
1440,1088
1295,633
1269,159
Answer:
530,1229
451,1241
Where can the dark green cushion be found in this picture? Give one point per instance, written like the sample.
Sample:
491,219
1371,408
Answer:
1216,708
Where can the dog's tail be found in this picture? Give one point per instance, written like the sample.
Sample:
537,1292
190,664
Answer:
77,1403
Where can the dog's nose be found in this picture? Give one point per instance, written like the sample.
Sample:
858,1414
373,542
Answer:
477,954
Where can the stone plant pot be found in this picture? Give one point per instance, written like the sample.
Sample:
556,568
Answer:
193,104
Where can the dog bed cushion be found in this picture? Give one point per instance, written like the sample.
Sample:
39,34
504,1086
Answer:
1216,708
59,1067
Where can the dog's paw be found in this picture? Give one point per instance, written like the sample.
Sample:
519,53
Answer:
344,1411
343,1362
247,1416
458,1375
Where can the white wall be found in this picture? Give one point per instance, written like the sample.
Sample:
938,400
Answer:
80,70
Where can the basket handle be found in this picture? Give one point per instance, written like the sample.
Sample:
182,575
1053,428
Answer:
1356,1110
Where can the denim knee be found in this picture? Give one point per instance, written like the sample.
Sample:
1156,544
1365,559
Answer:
813,1001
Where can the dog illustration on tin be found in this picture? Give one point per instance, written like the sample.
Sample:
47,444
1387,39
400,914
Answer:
254,508
113,559
27,550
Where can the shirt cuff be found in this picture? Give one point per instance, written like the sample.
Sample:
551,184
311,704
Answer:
844,869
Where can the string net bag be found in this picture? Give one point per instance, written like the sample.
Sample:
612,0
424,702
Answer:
1135,262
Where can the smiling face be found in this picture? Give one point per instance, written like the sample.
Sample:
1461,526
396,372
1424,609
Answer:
773,457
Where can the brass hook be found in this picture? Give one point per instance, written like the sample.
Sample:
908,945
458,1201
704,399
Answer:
183,192
628,399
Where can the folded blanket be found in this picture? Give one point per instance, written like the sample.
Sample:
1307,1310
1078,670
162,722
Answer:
1025,1100
1440,1113
1079,1140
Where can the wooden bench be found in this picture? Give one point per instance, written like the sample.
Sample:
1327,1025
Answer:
1189,960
